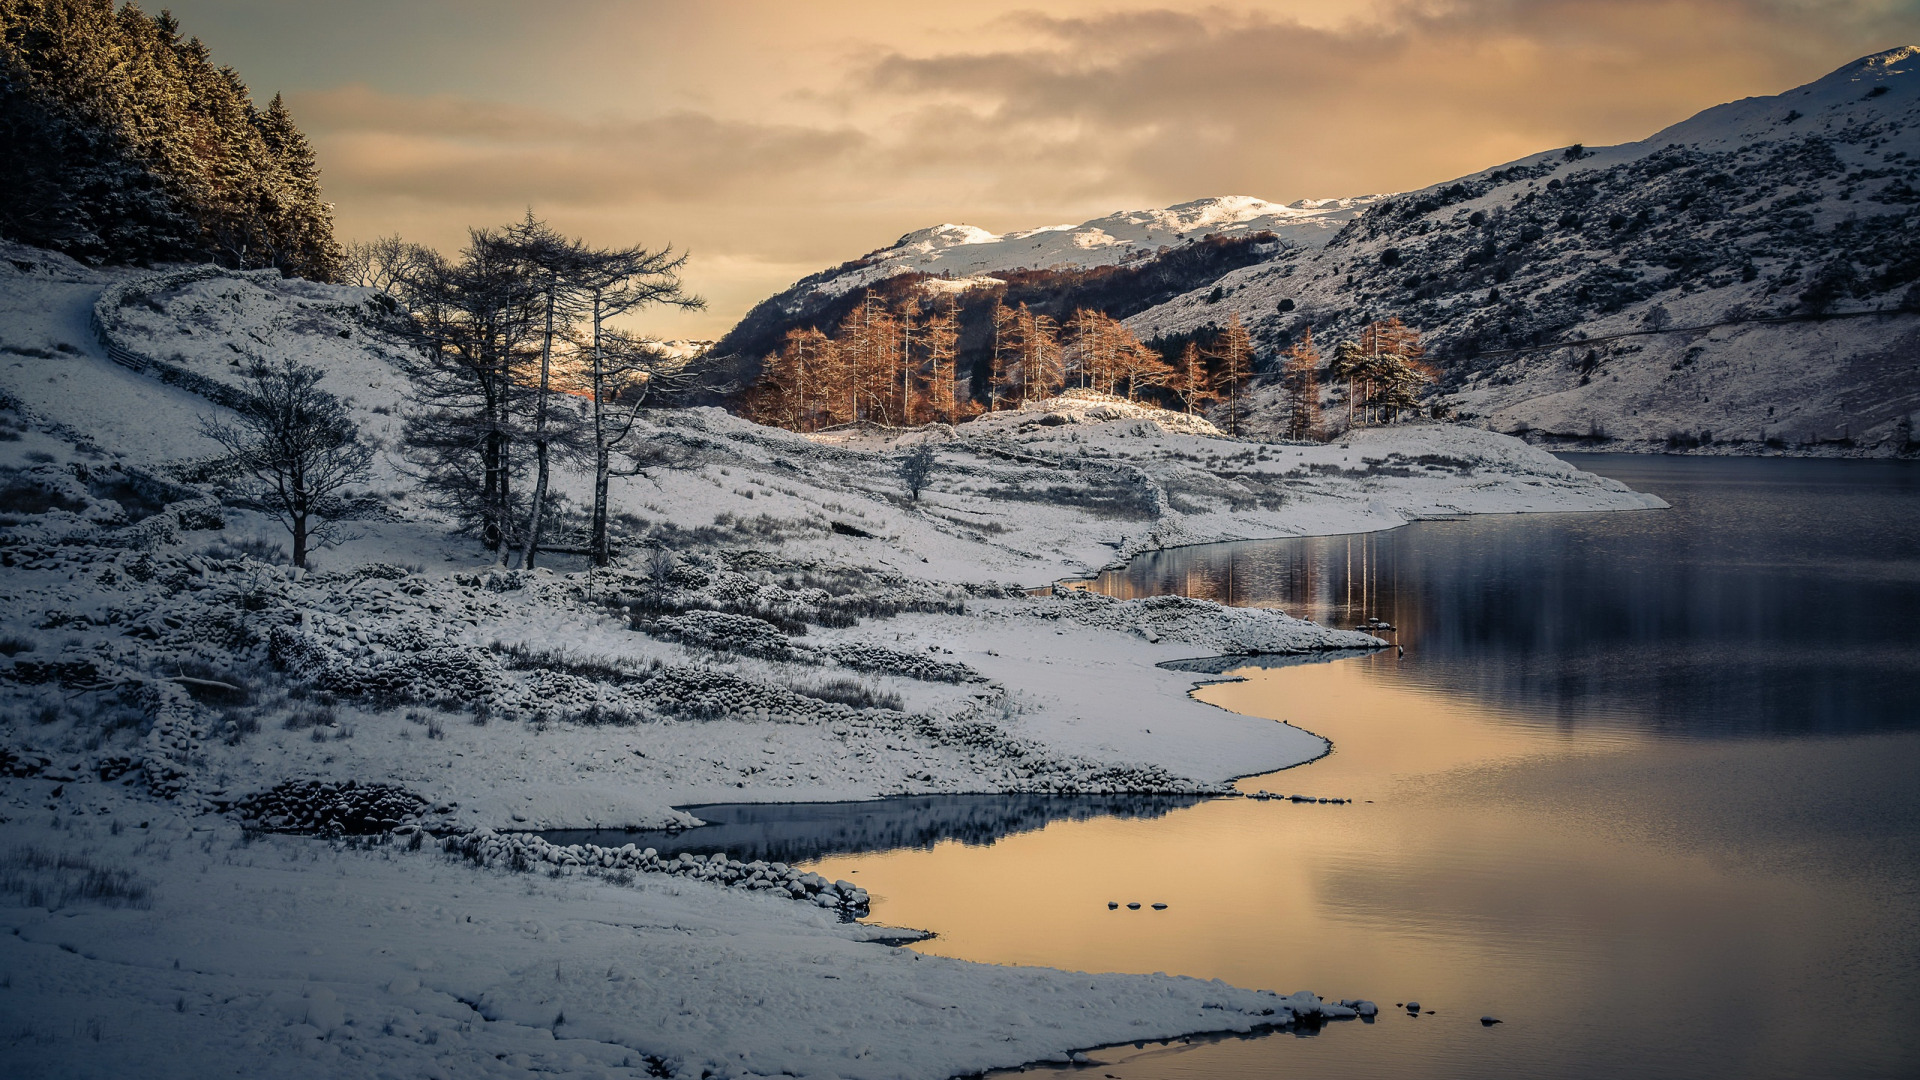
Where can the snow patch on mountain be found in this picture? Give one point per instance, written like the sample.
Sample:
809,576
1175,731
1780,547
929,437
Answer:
1118,238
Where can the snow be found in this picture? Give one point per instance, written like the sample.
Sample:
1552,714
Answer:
966,251
302,958
1842,152
497,700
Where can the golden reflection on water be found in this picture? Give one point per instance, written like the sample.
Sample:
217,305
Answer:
1483,905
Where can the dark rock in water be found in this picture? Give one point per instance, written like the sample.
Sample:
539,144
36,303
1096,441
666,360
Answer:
1413,1006
1111,904
1489,1021
1134,906
1159,907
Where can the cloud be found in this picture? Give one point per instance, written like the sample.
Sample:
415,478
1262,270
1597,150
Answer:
470,152
1220,100
774,140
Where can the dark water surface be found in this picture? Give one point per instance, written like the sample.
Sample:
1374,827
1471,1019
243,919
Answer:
1645,786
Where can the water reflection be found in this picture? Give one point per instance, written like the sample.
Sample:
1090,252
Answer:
796,832
1626,904
1529,841
1776,597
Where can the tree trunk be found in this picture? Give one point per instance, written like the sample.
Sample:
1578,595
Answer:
531,548
298,524
601,454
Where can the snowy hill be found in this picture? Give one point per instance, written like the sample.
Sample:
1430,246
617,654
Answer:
267,818
1714,285
964,251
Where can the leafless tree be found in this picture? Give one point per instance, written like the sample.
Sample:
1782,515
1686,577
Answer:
622,375
294,449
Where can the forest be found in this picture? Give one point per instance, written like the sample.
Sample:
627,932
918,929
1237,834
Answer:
127,143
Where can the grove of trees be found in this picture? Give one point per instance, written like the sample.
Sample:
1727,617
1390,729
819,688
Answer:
125,143
516,369
896,365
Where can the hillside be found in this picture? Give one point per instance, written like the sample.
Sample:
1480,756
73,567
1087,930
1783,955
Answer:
1710,286
126,142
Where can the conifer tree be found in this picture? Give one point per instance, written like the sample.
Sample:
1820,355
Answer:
126,144
1301,372
1233,353
1190,382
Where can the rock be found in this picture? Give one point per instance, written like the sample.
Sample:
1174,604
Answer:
1413,1006
1489,1021
1134,906
1159,907
1112,904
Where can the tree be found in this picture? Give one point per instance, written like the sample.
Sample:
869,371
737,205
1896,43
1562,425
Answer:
125,143
942,336
470,324
1301,372
379,263
615,282
1349,361
1394,369
294,449
916,467
1233,352
1190,382
554,263
1004,371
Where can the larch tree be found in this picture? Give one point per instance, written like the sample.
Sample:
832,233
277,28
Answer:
468,323
1190,382
942,335
1233,354
1003,381
554,264
1301,374
613,283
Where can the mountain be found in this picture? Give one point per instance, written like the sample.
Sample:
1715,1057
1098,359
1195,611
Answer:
1744,280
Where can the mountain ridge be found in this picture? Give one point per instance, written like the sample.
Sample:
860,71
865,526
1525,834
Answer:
1794,206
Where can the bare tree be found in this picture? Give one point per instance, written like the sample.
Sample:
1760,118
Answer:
554,264
615,282
470,324
294,449
380,263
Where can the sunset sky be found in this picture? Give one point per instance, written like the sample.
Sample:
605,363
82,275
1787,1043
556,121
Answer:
772,138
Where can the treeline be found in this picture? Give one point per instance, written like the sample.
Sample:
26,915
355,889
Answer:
518,374
899,364
125,143
1121,291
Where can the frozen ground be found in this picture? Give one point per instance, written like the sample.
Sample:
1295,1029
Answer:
784,624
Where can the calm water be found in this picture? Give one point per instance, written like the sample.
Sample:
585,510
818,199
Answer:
1645,786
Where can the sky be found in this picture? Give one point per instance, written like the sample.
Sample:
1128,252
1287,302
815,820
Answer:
774,138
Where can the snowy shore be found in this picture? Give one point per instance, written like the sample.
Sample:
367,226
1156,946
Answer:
810,634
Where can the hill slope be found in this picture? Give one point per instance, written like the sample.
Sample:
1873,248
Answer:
1772,225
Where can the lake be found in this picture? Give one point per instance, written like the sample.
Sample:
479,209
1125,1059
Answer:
1644,786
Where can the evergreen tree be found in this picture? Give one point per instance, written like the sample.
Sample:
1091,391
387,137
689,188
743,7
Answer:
126,144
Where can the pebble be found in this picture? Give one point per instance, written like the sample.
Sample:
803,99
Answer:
1159,907
1112,904
1134,906
1489,1021
1413,1006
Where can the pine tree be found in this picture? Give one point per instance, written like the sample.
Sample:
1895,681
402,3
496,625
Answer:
142,148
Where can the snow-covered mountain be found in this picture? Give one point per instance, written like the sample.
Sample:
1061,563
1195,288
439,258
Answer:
1126,236
1742,253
